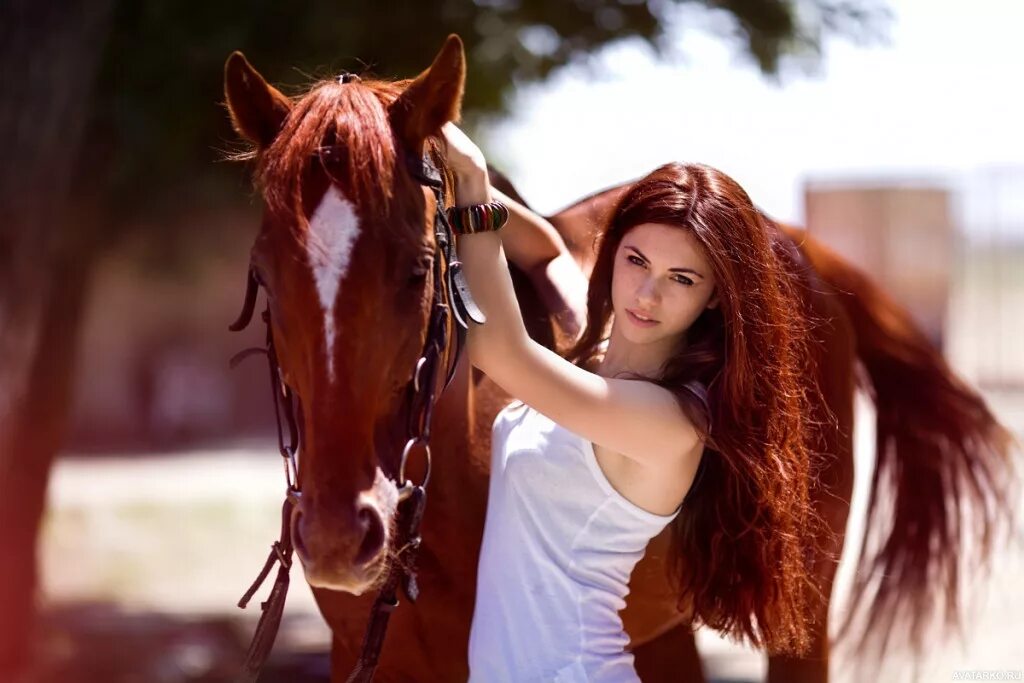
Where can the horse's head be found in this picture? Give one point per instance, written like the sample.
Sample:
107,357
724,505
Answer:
346,252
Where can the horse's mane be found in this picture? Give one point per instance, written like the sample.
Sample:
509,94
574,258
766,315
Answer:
345,127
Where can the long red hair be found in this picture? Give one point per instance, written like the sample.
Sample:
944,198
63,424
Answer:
744,541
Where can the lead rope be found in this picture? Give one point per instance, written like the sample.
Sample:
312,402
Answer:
403,570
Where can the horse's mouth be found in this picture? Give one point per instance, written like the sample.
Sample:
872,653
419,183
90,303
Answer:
355,582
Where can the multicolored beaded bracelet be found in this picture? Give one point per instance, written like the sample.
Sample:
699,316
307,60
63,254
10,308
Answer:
466,220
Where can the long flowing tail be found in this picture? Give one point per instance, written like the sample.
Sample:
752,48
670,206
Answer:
944,484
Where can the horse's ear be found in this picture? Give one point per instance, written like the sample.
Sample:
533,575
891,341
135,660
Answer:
257,108
433,98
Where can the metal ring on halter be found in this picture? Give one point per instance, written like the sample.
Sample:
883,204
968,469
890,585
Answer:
405,457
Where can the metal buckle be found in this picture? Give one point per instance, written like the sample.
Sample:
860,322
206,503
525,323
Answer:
405,457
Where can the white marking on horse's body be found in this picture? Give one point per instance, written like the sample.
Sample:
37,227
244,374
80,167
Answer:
333,230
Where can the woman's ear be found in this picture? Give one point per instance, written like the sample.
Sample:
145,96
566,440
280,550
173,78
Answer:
714,300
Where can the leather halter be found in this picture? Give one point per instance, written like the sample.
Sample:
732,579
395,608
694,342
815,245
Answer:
451,299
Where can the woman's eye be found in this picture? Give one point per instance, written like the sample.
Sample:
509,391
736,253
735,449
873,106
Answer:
637,261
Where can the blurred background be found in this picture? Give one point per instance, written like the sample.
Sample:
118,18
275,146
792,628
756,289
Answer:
139,482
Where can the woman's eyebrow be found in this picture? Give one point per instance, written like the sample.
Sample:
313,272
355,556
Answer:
671,270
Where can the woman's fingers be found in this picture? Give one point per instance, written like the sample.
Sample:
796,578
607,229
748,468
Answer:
563,288
574,285
462,153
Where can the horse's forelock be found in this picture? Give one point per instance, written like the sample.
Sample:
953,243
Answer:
353,117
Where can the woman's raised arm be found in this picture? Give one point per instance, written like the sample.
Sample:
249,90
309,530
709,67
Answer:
640,420
536,247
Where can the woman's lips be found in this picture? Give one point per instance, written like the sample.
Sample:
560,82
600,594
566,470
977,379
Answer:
638,321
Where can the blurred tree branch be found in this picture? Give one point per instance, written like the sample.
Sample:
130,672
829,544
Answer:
153,129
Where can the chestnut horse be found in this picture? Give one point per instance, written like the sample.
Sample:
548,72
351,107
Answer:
343,252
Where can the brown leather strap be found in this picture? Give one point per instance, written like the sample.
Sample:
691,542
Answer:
273,607
402,571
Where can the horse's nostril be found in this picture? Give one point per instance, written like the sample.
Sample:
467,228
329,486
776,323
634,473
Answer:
373,535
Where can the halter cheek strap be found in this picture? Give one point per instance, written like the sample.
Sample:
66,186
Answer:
465,307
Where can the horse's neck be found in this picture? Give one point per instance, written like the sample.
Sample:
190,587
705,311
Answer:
460,462
579,223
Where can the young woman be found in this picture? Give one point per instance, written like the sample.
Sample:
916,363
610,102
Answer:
692,361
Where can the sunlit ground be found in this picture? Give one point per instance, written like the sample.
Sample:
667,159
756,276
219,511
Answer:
169,544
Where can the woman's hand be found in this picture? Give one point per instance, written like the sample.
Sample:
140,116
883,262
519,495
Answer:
562,287
467,164
558,279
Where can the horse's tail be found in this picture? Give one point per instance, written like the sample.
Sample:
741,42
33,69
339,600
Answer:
943,486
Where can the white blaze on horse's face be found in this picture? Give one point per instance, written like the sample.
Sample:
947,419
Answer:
333,230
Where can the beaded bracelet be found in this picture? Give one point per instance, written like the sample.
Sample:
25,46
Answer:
466,220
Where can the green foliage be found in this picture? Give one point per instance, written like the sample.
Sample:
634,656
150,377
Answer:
157,129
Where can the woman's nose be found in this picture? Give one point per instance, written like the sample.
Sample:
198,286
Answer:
647,294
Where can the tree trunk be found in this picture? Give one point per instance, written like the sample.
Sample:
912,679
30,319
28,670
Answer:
49,53
36,437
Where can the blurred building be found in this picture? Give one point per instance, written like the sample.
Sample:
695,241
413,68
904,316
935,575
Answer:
901,234
951,252
153,364
987,305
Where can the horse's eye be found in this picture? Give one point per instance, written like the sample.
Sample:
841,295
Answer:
420,271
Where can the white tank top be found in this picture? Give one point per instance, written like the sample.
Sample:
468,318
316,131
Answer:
558,549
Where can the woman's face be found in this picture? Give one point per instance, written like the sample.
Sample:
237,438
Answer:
660,273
